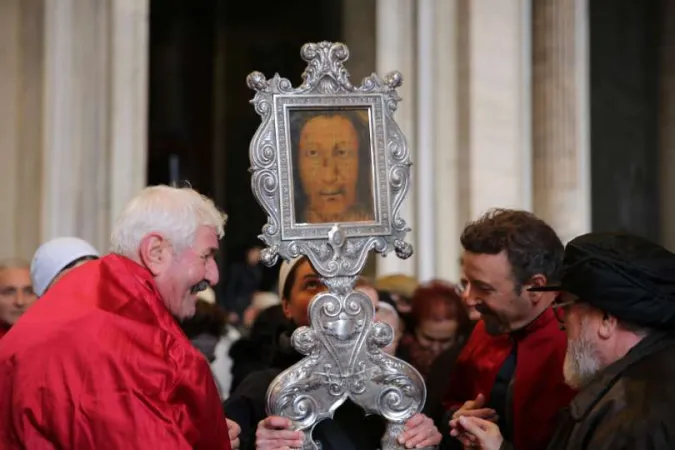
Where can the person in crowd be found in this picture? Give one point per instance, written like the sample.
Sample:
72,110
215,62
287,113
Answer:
617,305
255,351
259,302
400,288
210,333
243,281
100,361
510,370
440,322
55,258
350,427
386,312
16,293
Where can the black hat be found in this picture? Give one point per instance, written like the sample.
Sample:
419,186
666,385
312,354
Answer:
624,275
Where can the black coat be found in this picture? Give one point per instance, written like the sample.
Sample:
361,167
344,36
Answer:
628,406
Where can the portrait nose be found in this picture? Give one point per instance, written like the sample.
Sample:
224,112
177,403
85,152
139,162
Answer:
212,275
330,169
20,299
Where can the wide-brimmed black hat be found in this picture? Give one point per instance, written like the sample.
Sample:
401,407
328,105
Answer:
625,275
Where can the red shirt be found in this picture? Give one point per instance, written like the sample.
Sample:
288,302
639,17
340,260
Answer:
539,389
99,363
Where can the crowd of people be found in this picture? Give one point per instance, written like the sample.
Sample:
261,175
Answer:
536,346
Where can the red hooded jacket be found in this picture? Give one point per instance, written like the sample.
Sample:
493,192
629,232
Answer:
539,389
99,363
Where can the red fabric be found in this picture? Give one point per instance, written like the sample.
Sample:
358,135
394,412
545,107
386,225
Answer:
99,363
539,389
3,330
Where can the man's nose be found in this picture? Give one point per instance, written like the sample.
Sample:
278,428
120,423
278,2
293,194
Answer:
468,297
212,275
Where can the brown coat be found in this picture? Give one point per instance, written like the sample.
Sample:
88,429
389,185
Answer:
629,406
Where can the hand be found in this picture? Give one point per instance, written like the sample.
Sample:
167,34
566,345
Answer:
274,433
420,431
482,433
474,408
233,430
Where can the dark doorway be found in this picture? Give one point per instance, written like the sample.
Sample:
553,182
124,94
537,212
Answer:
625,36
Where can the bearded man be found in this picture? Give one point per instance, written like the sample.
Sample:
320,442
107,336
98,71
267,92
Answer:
510,370
618,300
100,362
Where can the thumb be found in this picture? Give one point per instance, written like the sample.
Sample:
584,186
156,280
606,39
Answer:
480,401
474,426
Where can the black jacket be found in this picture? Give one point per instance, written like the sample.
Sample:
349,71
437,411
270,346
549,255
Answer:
628,406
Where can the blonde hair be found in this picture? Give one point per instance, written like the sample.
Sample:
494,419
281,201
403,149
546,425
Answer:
174,212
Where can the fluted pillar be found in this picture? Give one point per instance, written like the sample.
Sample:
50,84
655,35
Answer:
396,51
94,114
561,154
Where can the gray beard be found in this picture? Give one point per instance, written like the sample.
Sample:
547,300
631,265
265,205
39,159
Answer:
582,361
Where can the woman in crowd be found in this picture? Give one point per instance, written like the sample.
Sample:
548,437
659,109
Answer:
349,428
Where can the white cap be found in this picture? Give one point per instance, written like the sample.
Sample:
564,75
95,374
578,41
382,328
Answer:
52,256
285,269
263,300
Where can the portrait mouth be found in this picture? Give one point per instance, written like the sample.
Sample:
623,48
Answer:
331,192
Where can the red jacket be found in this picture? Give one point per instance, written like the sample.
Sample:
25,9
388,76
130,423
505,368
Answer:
539,389
100,363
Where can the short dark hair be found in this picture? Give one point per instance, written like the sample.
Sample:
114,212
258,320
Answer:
532,246
290,279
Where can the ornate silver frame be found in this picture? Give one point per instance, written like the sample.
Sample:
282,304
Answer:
342,344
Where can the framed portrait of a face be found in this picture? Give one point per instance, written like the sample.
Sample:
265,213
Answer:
333,160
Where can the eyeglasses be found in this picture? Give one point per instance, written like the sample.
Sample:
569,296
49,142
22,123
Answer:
559,311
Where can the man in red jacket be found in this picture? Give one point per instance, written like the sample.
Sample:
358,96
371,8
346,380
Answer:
510,370
100,361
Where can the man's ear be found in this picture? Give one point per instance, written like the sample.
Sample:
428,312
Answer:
608,325
537,280
153,252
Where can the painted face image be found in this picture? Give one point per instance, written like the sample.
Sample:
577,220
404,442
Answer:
329,166
332,167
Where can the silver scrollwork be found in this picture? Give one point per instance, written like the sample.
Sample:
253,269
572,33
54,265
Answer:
342,346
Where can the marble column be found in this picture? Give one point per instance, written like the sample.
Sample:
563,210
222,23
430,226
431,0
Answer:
396,51
94,114
561,153
21,78
449,121
499,161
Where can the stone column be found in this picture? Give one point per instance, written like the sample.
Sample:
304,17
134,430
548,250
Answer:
94,114
21,56
396,51
449,114
499,162
561,152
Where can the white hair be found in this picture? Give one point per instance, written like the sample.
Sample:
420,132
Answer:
582,359
174,212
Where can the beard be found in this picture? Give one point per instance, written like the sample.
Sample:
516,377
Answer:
582,360
494,323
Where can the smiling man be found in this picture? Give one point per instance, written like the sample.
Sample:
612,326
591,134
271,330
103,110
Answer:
100,362
510,370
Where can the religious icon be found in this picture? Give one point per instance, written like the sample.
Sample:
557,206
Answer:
332,165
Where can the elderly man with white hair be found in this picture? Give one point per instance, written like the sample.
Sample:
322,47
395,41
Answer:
100,362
